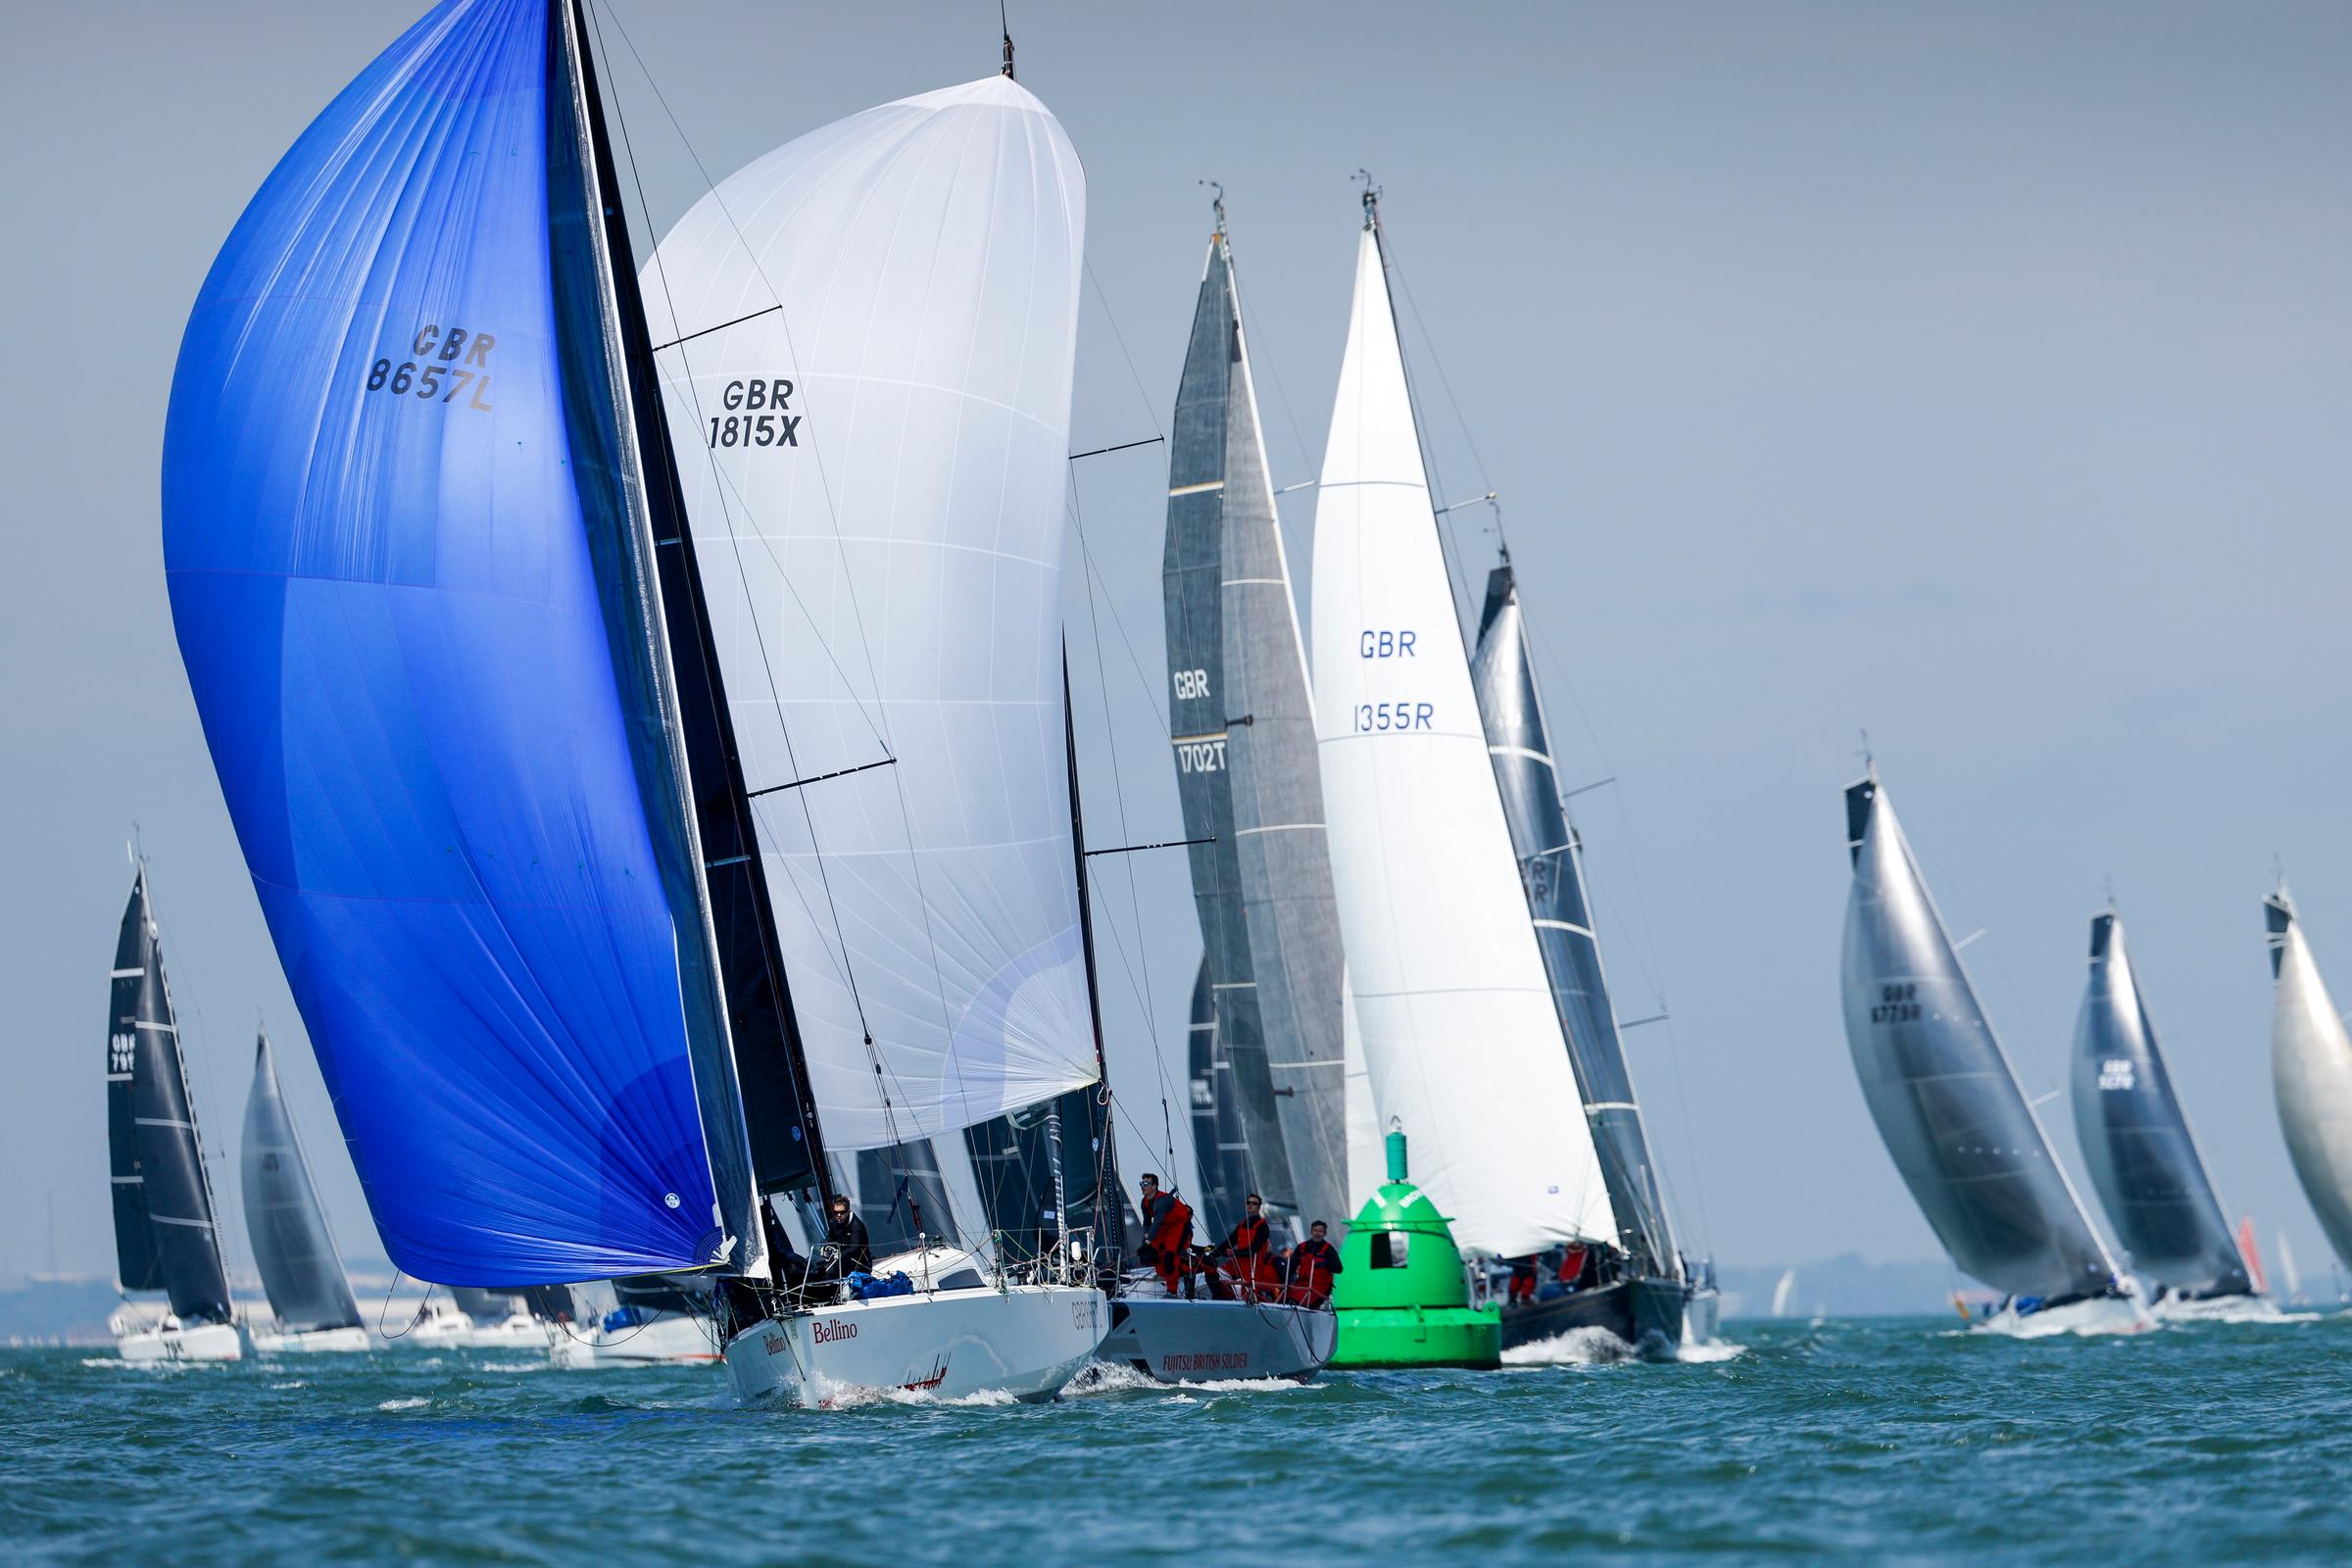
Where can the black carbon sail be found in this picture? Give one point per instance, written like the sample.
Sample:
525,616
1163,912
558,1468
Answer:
2135,1138
1940,1089
301,1270
1551,865
165,1235
1218,1150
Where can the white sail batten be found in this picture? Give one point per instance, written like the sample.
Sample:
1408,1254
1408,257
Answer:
2310,1070
1460,1041
872,404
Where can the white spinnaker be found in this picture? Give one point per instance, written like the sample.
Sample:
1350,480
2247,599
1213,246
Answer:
1459,1034
2310,1070
876,475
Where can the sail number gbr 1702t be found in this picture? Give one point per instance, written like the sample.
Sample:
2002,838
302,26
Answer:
1372,718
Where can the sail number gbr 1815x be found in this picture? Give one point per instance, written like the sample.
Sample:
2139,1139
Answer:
1372,718
443,366
756,414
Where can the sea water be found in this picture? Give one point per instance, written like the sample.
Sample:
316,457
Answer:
1886,1441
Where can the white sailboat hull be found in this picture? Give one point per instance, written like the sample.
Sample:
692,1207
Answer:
2100,1314
519,1332
311,1341
670,1340
2217,1309
206,1342
1177,1341
1023,1341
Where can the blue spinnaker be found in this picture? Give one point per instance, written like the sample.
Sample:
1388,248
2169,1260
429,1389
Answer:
384,584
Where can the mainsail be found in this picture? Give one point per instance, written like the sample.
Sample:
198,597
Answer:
1219,1150
165,1235
2135,1138
1459,1036
301,1270
871,334
1242,724
1939,1086
1552,865
2311,1069
412,502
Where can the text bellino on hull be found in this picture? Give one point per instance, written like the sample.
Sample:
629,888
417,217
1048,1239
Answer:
1947,1103
476,701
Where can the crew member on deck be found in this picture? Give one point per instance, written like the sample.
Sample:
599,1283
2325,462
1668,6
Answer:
1314,1262
1167,1232
1250,1246
845,1231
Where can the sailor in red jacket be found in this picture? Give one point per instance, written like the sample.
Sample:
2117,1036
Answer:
1314,1262
1167,1232
1251,1248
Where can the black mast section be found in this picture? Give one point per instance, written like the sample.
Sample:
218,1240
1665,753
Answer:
1109,1204
771,1061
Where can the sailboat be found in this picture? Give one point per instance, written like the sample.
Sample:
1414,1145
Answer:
2289,1274
1784,1291
302,1273
1949,1106
167,1237
1643,1259
2310,1070
1242,731
476,715
1462,1046
2143,1159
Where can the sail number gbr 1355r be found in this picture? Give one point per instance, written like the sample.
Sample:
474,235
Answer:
444,365
1372,718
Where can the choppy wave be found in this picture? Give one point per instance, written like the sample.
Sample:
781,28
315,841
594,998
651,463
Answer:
415,1402
1585,1347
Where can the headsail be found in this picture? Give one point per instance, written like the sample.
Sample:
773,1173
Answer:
1242,724
2135,1138
874,333
1458,1031
1939,1087
301,1270
394,480
2311,1069
167,1235
1552,865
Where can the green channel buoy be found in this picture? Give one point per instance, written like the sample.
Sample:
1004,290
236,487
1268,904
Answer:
1401,1296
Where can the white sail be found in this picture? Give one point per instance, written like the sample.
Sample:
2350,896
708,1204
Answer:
871,405
2289,1274
1367,1160
1459,1034
1784,1291
2310,1070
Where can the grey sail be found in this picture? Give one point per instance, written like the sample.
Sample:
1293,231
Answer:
1551,865
301,1271
1245,718
1220,1153
1940,1089
165,1234
901,1195
2143,1162
1192,591
485,1305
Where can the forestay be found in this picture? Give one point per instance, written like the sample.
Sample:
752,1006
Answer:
301,1271
2310,1070
388,485
1939,1087
2143,1159
872,391
1459,1037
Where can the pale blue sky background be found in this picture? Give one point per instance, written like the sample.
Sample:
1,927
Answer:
1975,373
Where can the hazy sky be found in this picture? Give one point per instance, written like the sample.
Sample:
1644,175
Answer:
1977,374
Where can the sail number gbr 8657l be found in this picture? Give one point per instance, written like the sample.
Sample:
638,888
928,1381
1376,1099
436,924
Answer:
445,365
1372,718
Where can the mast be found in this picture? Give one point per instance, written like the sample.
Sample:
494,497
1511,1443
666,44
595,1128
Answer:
1109,1212
764,1106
